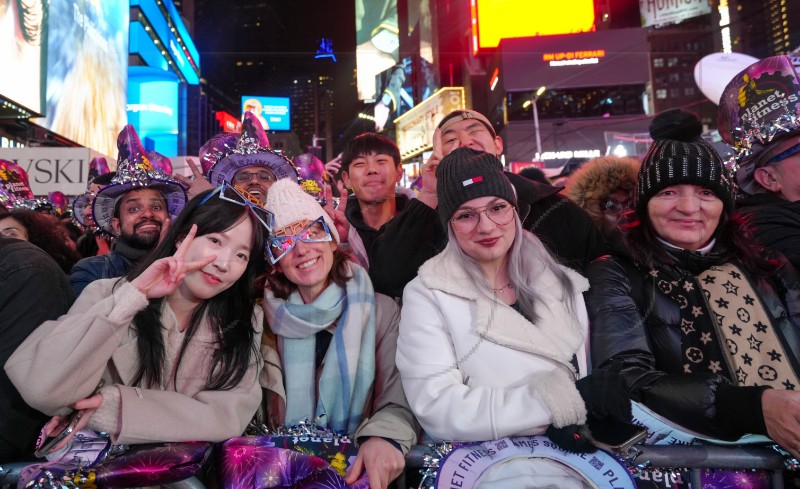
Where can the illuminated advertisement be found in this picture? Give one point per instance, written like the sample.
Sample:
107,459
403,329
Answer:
174,42
87,64
660,12
377,44
153,108
415,127
493,20
273,112
227,122
589,59
21,33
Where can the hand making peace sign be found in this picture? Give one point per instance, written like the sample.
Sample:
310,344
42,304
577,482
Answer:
164,276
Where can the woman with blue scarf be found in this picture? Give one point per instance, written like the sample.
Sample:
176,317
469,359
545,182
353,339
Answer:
331,355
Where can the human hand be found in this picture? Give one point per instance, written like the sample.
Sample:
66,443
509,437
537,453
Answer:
84,409
605,394
570,438
781,411
382,461
337,214
427,194
197,183
164,276
332,167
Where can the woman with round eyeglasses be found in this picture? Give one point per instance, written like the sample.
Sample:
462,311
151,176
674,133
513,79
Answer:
493,331
331,356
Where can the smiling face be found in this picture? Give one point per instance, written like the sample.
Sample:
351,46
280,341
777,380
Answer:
142,214
470,133
232,249
256,180
373,177
487,243
685,216
307,265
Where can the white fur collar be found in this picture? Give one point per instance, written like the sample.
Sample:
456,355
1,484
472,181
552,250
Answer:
557,335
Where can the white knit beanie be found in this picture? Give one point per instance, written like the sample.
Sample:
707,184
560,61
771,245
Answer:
290,204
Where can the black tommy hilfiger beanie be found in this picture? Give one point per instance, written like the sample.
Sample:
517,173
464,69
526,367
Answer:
466,174
680,156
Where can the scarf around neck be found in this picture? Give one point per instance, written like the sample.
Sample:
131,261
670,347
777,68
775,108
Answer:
348,368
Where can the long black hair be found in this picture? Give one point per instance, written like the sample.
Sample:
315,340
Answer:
230,312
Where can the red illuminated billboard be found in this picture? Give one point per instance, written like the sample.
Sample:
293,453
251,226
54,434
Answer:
493,20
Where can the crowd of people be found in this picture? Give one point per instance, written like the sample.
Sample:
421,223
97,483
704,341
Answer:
486,305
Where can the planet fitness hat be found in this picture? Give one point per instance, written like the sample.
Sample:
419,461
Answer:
758,112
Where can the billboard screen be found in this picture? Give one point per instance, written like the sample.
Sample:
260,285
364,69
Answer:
377,43
591,59
655,13
273,112
21,33
493,20
153,108
87,63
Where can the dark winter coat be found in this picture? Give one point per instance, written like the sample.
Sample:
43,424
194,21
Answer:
116,263
635,324
774,222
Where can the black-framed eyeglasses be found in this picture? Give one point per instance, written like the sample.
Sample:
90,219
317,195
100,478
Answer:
239,196
261,175
316,231
465,221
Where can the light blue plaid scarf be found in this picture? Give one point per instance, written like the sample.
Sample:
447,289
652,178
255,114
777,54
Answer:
348,370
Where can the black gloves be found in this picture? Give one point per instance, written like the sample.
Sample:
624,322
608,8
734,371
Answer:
606,395
570,439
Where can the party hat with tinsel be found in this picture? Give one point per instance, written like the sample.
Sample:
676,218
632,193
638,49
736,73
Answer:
135,171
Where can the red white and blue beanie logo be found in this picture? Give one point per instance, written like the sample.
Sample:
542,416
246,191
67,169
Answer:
467,183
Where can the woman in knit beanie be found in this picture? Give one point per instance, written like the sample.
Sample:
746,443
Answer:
696,315
493,330
331,354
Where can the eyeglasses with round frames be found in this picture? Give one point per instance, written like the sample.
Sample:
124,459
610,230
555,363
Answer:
466,220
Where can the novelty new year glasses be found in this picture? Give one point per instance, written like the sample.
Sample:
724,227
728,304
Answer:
315,232
466,220
241,197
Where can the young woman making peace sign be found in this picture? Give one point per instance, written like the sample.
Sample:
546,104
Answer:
176,341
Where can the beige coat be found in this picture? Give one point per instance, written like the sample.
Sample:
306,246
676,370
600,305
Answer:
63,361
387,413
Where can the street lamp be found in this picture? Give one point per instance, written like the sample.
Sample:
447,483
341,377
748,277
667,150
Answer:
527,104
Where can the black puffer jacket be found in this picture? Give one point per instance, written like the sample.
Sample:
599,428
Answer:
774,222
634,323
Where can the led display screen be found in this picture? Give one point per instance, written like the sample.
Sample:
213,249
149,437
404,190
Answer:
273,112
377,43
493,20
21,33
87,63
153,108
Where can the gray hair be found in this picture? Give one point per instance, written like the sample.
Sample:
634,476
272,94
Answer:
526,256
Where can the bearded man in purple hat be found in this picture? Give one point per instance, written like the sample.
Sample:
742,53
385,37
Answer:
135,208
759,115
